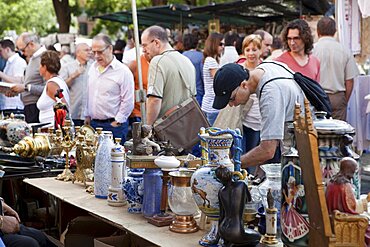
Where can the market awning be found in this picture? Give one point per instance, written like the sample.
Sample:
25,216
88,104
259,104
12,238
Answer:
243,12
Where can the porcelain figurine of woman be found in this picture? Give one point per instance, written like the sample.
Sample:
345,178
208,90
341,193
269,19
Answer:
232,198
293,225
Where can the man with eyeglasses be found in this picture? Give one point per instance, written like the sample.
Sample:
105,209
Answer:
75,75
31,85
298,41
110,90
15,67
171,78
233,85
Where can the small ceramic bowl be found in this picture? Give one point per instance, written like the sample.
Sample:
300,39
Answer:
167,162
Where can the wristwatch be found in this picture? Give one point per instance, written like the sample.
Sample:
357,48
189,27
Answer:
27,88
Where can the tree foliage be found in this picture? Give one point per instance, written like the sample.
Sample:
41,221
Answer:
24,15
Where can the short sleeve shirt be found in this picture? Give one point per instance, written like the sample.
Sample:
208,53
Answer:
171,78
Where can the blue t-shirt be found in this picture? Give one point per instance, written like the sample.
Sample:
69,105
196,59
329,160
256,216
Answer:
196,57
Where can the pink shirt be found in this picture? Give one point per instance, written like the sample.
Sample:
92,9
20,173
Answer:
311,69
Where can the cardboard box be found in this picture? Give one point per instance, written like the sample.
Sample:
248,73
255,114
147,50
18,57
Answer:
127,240
83,229
113,241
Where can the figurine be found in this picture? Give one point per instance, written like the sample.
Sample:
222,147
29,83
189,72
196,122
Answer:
142,145
340,195
60,111
232,198
271,221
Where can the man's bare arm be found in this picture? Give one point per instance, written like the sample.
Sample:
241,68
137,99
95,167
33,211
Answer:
153,107
349,86
258,155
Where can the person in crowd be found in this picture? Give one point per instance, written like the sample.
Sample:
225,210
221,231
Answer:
65,55
276,48
110,90
230,54
171,78
337,66
340,195
49,68
75,75
298,41
213,49
144,60
14,234
196,57
31,85
266,42
118,49
130,54
251,118
15,66
233,85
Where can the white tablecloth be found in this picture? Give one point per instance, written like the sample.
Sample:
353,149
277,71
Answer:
356,112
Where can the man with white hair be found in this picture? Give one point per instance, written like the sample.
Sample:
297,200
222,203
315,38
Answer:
75,75
110,97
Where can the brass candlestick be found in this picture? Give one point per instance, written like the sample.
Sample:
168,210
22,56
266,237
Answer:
67,144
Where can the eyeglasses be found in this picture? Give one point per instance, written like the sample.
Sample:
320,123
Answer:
222,44
146,45
100,52
233,97
24,48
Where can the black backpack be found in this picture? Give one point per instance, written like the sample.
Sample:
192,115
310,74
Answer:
312,90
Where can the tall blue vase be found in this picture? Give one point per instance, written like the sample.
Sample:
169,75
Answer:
152,192
103,167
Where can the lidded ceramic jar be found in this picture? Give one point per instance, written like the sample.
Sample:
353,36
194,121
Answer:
13,129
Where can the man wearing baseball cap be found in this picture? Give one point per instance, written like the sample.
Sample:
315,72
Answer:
233,85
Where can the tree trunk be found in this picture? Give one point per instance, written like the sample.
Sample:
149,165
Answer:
159,2
63,13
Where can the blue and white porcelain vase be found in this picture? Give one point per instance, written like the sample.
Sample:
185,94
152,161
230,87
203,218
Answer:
133,188
103,167
204,183
152,192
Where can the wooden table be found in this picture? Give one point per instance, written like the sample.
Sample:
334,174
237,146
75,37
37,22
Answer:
74,196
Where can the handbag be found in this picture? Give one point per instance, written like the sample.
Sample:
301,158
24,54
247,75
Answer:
181,125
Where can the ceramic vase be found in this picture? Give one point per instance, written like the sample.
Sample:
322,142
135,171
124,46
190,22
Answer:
103,167
116,196
133,188
152,182
204,183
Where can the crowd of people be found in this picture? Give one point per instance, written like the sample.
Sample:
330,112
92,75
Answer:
99,82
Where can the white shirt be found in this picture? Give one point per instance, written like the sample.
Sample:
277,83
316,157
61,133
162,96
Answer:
230,55
130,55
46,104
209,93
15,66
110,93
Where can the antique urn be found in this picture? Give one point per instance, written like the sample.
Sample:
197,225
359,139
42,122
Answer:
334,142
204,184
13,130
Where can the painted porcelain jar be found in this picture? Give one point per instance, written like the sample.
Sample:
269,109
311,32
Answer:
13,129
204,183
116,196
133,188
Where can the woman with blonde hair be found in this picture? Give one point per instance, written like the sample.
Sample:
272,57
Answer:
251,117
213,49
